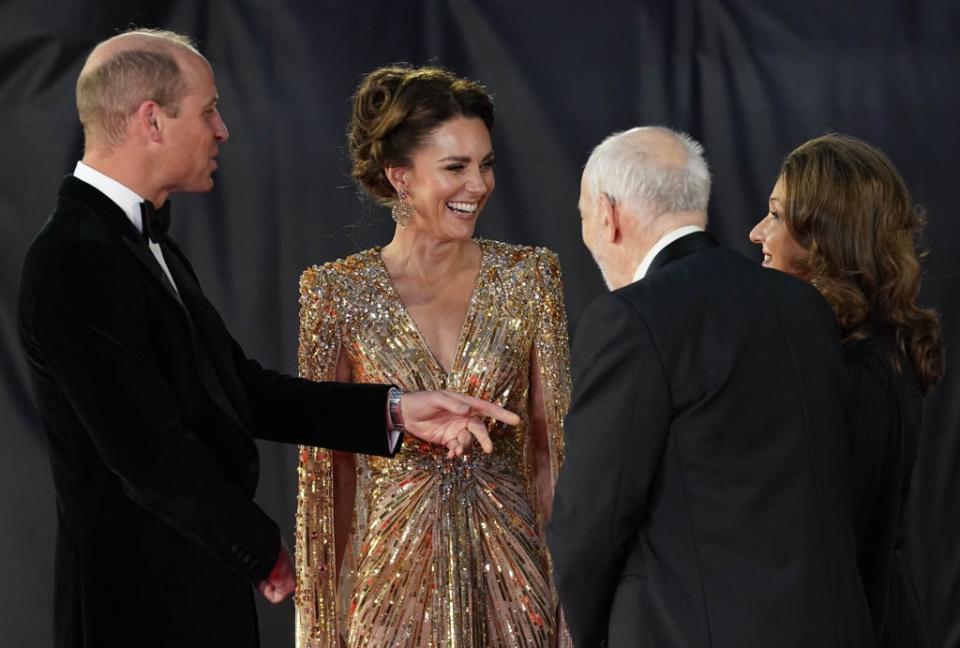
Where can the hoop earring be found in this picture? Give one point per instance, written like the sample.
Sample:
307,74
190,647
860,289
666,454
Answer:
401,210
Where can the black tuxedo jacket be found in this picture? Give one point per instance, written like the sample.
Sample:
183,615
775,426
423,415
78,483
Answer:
704,497
150,408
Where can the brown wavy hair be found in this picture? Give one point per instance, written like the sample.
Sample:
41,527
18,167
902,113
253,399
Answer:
395,108
849,207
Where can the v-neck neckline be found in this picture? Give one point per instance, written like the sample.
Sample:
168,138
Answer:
458,351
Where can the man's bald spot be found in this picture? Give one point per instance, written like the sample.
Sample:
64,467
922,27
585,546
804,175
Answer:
663,146
165,42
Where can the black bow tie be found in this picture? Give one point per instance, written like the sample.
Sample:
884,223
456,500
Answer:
155,221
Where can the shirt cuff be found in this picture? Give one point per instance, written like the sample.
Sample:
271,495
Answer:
393,437
394,431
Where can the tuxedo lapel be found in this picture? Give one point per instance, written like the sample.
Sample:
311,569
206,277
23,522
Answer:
683,246
149,262
214,351
107,211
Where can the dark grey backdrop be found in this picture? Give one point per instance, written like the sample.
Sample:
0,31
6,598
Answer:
749,79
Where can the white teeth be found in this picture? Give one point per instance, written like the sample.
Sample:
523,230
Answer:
463,207
766,258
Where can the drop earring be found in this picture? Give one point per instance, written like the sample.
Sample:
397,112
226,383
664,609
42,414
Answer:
401,210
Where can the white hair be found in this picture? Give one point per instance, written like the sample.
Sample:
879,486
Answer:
629,170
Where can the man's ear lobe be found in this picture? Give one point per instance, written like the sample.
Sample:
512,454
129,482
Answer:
609,218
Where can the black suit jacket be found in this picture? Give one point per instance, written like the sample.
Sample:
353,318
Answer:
150,408
704,497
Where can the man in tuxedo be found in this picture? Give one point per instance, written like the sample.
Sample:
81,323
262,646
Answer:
703,500
149,405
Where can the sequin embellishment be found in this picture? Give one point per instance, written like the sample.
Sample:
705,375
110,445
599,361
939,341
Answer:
440,553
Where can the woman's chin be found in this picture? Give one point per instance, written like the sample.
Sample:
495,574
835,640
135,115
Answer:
462,226
463,233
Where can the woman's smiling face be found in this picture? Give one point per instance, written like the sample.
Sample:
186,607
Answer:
780,250
449,178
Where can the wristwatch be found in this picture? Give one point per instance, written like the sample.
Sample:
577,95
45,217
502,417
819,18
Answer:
393,406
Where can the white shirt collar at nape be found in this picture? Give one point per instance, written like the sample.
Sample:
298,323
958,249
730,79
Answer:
125,198
664,241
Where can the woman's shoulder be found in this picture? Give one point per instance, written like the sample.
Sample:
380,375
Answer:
519,257
345,271
875,361
870,360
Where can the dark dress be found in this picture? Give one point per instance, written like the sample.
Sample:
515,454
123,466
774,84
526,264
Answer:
884,422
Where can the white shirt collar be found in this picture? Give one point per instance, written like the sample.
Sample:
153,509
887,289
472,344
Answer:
664,241
125,198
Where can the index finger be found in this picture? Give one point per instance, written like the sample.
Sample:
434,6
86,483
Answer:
486,408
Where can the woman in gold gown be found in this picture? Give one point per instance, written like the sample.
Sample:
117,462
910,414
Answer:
423,549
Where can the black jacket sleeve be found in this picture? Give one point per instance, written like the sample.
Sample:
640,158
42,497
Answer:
615,434
348,417
343,416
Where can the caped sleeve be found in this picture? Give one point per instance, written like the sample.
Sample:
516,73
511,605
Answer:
318,351
552,348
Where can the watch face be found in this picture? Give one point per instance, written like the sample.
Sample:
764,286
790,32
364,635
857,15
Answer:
393,400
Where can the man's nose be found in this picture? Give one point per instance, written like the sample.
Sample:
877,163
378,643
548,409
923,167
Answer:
220,130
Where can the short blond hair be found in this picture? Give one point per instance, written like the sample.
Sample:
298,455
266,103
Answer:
146,69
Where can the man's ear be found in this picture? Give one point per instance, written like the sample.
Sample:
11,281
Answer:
148,121
609,218
396,176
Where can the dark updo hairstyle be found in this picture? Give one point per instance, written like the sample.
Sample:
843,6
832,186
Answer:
850,208
395,108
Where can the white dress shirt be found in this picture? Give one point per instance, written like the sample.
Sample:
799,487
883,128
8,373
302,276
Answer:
664,241
127,200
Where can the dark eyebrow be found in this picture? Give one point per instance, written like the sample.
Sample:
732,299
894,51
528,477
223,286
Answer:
463,159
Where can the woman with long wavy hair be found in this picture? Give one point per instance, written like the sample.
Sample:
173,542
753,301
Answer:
840,217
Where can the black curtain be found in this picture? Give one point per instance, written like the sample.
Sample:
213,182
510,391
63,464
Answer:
750,80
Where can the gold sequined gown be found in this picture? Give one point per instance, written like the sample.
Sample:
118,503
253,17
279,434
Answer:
447,553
